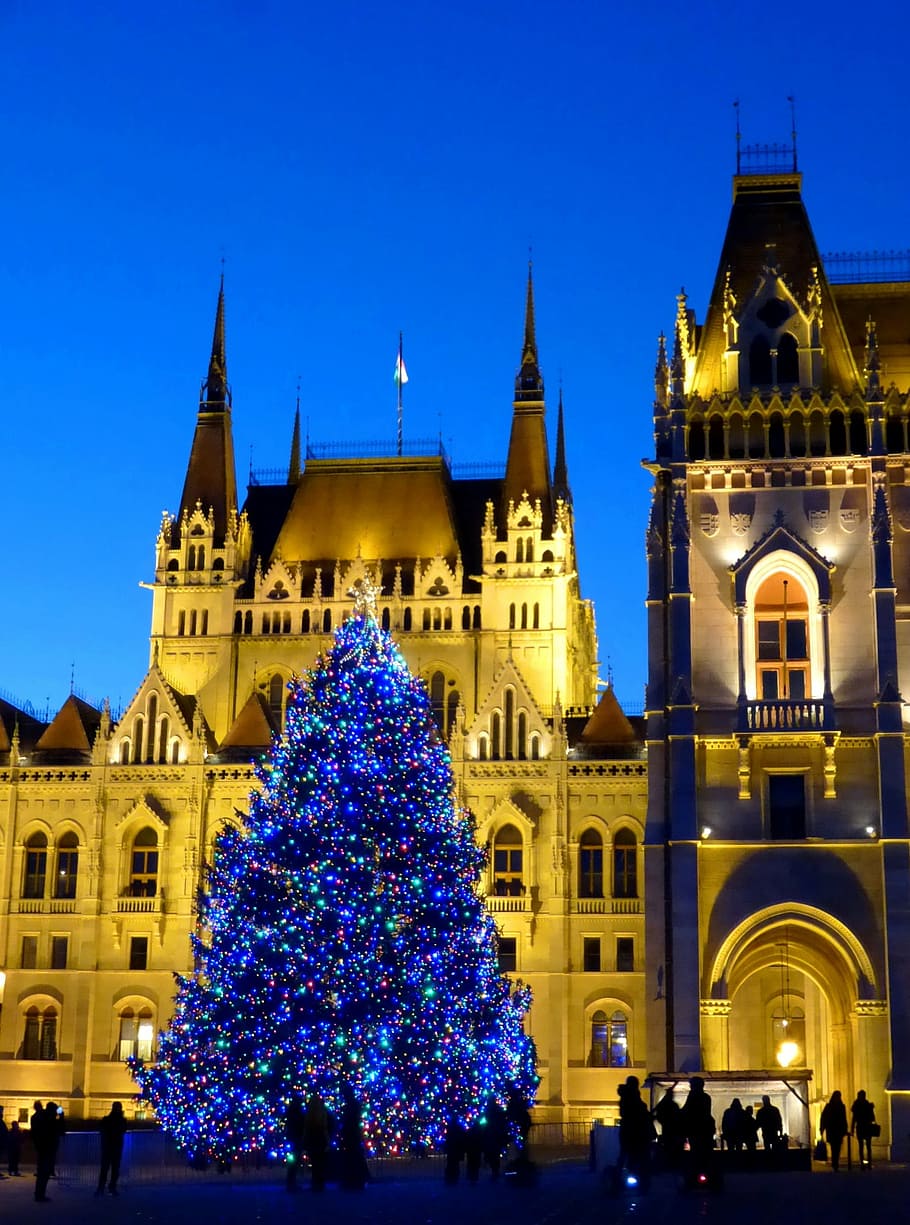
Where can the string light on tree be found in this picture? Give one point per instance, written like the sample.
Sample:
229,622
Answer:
341,939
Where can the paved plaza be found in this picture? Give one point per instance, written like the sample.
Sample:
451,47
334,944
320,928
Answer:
566,1193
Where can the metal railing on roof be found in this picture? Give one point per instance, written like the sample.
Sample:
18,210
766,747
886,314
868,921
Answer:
380,449
766,159
867,267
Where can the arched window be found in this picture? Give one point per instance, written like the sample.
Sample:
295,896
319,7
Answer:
797,435
138,738
466,617
609,1040
164,732
386,618
153,716
407,619
776,448
519,549
327,621
500,557
895,443
137,1034
696,441
144,864
535,747
511,616
591,864
625,864
787,360
277,691
437,688
716,437
204,629
238,622
781,639
437,618
529,549
248,621
818,442
524,616
35,876
760,362
191,557
859,439
181,623
756,436
509,725
67,866
447,619
536,619
736,438
483,748
125,751
508,878
39,1040
496,736
305,622
837,430
476,622
522,736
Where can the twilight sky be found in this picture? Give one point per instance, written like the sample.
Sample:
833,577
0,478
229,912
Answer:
365,169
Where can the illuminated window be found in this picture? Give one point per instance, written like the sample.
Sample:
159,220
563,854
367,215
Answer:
507,863
591,954
139,952
625,954
507,953
782,639
787,807
609,1040
67,866
144,864
444,699
277,695
59,952
137,1035
33,881
625,864
590,865
39,1040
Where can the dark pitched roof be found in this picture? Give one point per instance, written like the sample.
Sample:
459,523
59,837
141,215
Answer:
70,735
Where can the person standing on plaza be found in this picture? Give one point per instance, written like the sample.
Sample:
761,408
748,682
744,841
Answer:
770,1124
14,1149
732,1126
354,1172
833,1126
317,1130
863,1126
4,1138
698,1123
44,1141
113,1129
636,1132
672,1141
294,1128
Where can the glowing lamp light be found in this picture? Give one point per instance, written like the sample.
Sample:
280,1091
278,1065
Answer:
871,831
706,831
787,1053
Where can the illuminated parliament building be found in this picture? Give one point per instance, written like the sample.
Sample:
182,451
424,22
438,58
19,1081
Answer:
721,885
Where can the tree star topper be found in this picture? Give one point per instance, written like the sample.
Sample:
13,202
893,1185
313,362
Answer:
365,593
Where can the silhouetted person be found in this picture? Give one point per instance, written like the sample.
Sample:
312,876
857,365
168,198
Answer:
732,1126
4,1138
354,1172
833,1126
473,1151
14,1148
455,1146
294,1134
672,1141
495,1136
770,1124
316,1132
862,1114
636,1131
44,1142
698,1123
750,1130
519,1118
113,1129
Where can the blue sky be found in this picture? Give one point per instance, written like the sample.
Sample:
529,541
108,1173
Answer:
366,169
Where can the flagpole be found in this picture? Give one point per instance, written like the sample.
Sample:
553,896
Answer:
399,381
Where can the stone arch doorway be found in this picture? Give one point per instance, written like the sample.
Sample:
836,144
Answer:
794,973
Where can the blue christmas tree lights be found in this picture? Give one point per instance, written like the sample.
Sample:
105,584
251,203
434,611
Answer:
341,938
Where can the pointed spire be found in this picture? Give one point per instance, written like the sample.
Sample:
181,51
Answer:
210,475
560,468
528,463
661,373
873,362
528,382
294,465
216,396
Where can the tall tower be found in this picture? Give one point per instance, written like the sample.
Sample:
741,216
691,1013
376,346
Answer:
778,567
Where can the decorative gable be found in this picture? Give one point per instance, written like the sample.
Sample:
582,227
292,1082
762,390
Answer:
782,538
157,726
509,724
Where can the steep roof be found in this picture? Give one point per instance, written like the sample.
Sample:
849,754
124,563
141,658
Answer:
70,733
608,723
888,305
30,728
768,211
391,508
252,730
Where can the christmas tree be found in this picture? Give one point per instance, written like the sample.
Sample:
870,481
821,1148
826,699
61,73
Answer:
341,940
